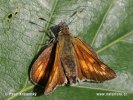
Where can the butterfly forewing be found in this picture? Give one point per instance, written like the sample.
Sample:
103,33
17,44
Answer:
41,67
91,67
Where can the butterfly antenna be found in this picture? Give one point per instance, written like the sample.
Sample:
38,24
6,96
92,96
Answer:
75,13
35,24
46,21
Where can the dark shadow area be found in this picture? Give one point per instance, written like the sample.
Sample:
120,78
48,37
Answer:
39,90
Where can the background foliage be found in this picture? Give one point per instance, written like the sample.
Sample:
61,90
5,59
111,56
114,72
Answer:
105,24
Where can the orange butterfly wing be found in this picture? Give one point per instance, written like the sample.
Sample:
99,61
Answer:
89,64
47,70
57,75
42,67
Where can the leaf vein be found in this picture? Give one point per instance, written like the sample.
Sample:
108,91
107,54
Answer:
104,18
114,42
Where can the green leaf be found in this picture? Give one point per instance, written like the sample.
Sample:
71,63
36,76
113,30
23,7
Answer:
105,24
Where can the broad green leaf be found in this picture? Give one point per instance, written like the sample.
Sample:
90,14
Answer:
105,24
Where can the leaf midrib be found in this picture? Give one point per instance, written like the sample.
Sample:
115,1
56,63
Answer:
102,22
48,23
114,42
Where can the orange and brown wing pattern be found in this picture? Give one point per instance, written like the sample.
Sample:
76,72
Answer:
85,46
89,65
41,68
57,75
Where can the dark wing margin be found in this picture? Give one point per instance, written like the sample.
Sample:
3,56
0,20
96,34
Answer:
89,64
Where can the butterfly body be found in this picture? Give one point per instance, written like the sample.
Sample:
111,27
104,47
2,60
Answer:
68,58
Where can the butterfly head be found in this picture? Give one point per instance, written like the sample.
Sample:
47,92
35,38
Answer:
63,28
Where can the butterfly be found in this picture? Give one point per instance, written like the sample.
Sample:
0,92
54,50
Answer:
67,60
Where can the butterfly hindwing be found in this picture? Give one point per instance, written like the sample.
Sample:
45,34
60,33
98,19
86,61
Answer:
57,76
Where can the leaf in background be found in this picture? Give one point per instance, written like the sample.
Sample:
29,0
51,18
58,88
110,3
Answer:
105,24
